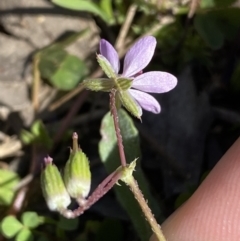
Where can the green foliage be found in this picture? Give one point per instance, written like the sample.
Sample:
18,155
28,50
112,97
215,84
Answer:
82,5
67,77
110,157
24,235
64,71
106,6
31,219
8,180
10,226
37,134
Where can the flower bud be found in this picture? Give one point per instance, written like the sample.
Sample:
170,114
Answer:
53,187
130,104
100,84
77,175
106,66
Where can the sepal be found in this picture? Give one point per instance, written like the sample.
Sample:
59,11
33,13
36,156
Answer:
53,187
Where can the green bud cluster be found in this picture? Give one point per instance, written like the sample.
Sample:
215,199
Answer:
76,184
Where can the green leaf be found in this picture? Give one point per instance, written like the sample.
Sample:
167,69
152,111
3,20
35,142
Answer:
209,29
24,235
62,70
40,134
82,5
50,60
26,137
67,224
30,219
106,6
8,180
10,226
70,73
110,157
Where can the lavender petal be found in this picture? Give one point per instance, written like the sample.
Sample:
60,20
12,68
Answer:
139,56
108,51
155,82
146,101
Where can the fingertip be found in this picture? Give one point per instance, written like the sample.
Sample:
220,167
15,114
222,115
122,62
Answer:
213,211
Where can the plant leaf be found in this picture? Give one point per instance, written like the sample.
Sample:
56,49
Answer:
30,219
82,5
70,73
41,134
106,6
10,226
110,157
8,180
24,235
62,70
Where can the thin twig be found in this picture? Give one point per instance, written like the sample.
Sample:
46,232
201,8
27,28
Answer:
117,128
120,42
36,83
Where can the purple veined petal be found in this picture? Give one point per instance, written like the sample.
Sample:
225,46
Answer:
139,56
146,101
108,51
155,82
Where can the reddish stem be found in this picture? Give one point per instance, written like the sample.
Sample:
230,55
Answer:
117,128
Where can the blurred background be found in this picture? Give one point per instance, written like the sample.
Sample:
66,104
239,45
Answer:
47,48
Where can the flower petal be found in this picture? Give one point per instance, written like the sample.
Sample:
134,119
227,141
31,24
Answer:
139,56
155,82
108,51
146,101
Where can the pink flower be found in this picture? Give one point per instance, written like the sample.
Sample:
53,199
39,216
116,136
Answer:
136,59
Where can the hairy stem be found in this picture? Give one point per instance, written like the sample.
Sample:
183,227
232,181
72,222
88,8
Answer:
128,178
132,183
117,128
